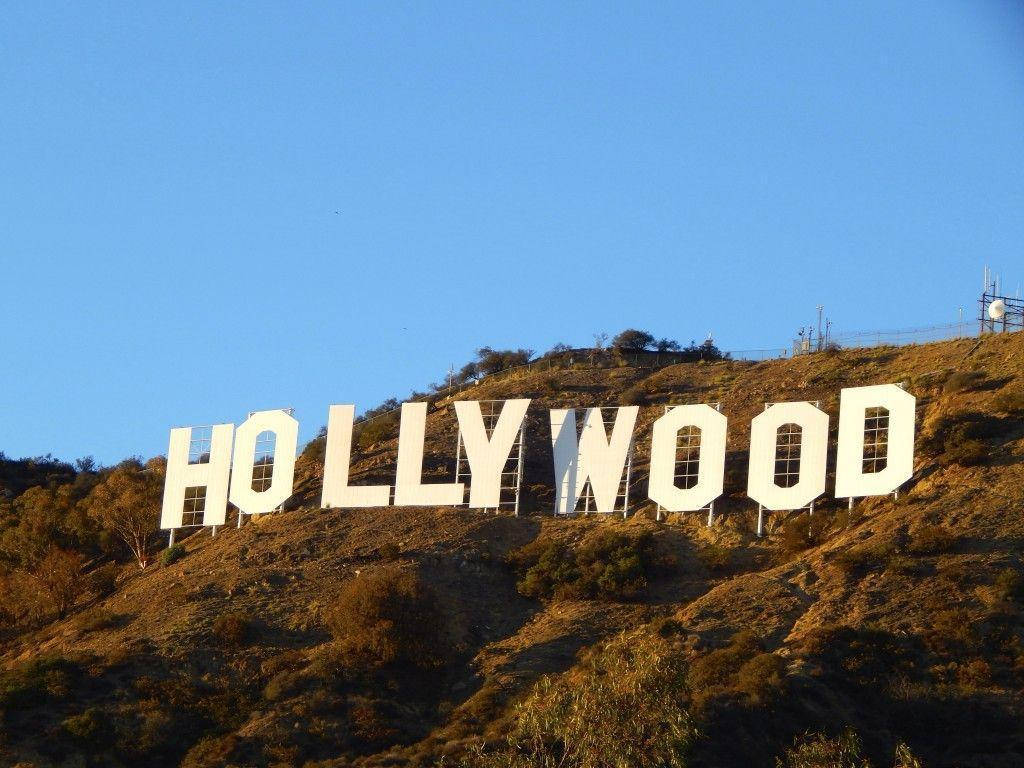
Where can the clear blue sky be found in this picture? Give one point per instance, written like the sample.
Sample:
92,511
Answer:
211,208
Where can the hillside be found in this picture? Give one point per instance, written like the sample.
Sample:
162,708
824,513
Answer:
902,620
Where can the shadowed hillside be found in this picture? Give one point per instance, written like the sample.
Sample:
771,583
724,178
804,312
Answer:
406,636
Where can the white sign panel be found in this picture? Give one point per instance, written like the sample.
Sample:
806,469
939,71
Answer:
410,490
596,458
197,491
286,437
487,456
761,485
211,474
336,491
851,479
662,486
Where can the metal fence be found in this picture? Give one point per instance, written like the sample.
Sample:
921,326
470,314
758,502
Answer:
590,358
902,336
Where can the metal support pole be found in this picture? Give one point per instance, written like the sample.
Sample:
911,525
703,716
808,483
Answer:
170,539
519,471
213,530
851,503
711,513
458,461
760,520
240,514
629,471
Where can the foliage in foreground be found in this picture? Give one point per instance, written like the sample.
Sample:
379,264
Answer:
845,751
624,706
606,565
389,617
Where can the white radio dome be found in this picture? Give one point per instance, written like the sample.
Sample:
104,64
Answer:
997,309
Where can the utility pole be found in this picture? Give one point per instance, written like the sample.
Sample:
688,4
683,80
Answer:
820,309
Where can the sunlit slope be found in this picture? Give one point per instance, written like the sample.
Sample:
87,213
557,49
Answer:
921,571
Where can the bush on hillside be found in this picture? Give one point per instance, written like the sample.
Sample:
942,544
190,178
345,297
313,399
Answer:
965,453
377,429
172,554
550,384
634,396
59,575
1009,401
103,580
803,531
90,727
624,706
632,340
605,565
864,557
845,751
715,557
930,540
232,628
963,381
41,680
490,361
1009,585
389,616
742,668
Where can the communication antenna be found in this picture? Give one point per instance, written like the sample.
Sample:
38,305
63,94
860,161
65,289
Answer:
998,311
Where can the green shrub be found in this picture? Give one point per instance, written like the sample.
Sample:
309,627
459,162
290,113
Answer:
1010,402
930,540
34,681
370,723
974,675
864,557
846,751
741,667
89,727
803,531
666,626
232,628
904,566
389,550
389,617
623,706
715,557
377,429
761,677
281,685
634,396
966,453
172,554
100,618
963,381
605,565
866,656
1009,585
820,751
103,580
953,634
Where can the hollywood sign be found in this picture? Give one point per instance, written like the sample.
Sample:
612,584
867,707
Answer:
200,484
